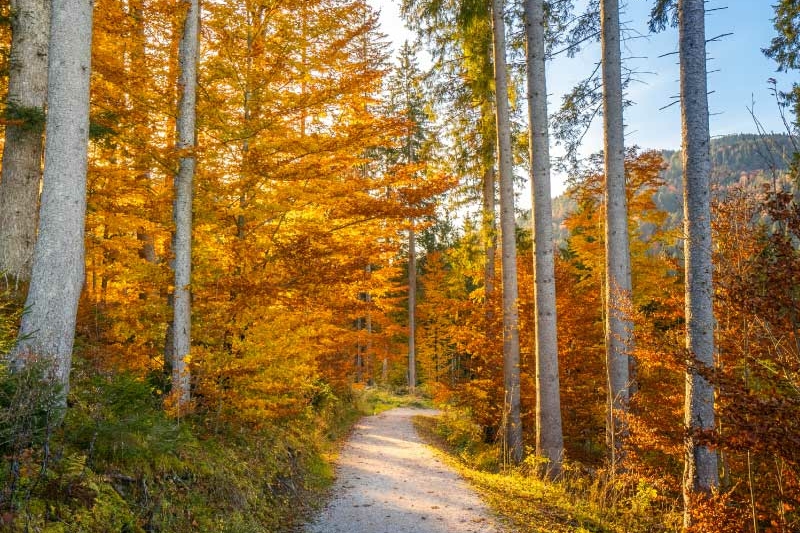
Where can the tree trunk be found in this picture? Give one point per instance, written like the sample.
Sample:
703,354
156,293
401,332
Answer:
513,427
700,473
182,242
412,309
47,331
549,436
22,152
489,232
618,324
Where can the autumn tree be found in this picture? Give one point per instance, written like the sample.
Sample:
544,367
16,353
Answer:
182,212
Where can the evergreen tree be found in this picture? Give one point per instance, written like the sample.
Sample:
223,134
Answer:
549,435
47,330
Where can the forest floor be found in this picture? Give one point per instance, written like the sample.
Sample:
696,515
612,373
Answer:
389,481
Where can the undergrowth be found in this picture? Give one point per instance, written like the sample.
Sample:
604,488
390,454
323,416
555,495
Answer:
118,463
580,501
114,461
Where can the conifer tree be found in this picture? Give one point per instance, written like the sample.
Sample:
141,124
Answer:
407,100
700,474
47,331
619,327
549,437
511,369
22,151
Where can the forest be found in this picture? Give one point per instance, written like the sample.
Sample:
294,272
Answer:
229,229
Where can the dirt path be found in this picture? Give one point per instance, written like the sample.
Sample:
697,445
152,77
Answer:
389,482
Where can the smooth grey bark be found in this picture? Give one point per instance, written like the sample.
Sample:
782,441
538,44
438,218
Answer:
47,331
700,471
412,310
511,378
22,152
618,324
549,434
182,214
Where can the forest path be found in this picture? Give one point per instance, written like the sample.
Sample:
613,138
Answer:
388,481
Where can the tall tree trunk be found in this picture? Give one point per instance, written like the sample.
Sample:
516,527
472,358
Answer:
700,473
47,330
182,242
513,428
412,310
618,324
22,152
549,435
489,232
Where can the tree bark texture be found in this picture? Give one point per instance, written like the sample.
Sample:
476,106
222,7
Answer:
549,434
47,331
513,426
412,310
618,324
700,474
182,242
22,152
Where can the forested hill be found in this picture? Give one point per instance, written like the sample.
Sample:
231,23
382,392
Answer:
731,155
747,160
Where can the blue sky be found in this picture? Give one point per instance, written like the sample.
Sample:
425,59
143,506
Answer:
740,80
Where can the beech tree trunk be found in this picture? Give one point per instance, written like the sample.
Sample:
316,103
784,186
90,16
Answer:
513,426
700,472
618,324
549,435
47,331
22,152
182,242
412,311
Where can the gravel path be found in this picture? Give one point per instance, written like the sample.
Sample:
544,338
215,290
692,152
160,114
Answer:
389,482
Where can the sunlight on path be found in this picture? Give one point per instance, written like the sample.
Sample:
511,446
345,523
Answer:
389,482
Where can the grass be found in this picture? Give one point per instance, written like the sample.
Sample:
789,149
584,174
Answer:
373,401
576,503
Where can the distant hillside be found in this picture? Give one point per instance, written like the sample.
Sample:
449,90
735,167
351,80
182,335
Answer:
747,160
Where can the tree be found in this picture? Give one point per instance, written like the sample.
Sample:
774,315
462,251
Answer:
47,330
182,213
22,151
549,436
619,326
700,474
785,46
407,100
461,36
511,380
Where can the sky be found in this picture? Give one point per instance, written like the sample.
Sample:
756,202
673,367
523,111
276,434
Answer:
738,72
